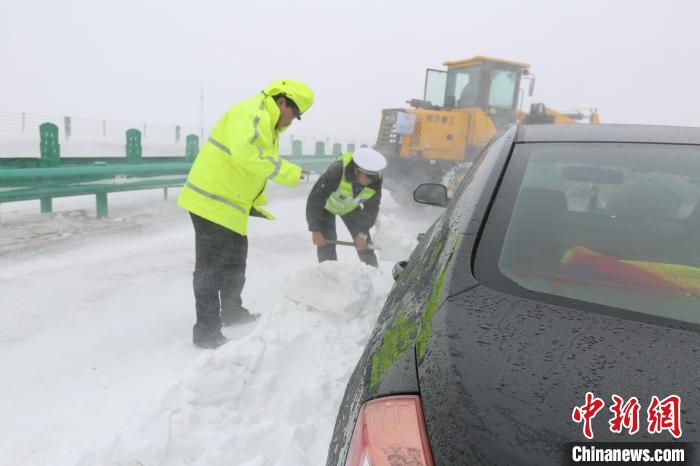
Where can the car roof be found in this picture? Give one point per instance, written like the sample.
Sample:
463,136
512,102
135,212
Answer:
608,133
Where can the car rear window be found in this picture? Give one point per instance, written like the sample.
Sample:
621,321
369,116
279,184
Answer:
612,224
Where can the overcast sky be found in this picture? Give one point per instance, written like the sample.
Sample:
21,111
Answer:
636,61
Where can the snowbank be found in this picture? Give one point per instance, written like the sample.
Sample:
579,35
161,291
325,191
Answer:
271,396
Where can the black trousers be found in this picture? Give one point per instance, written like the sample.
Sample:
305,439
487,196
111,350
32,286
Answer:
219,272
327,252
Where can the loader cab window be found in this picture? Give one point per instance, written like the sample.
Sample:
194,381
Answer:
435,82
454,88
502,93
463,86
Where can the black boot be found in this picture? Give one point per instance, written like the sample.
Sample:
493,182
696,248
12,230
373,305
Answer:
238,315
206,337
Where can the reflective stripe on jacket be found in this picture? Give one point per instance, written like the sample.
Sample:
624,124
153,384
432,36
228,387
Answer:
228,178
341,201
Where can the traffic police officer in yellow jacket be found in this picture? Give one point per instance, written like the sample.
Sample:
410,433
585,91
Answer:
225,186
350,188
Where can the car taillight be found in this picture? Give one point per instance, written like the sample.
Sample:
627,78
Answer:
390,431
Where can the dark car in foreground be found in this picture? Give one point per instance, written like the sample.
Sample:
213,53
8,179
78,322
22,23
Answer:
555,302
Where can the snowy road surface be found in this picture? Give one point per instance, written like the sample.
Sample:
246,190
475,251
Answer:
96,361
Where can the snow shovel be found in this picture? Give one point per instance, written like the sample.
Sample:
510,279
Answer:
350,243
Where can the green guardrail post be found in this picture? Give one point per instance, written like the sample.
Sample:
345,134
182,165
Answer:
337,149
192,147
296,147
66,127
351,147
133,146
46,205
177,133
320,148
50,157
50,149
101,205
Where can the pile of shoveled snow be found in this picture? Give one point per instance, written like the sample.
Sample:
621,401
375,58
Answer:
344,289
391,238
268,397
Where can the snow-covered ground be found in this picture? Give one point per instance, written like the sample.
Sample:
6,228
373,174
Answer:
96,361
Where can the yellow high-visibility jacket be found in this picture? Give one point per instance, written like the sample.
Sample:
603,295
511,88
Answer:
228,178
342,201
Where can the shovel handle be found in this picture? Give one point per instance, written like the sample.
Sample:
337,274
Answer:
348,243
340,243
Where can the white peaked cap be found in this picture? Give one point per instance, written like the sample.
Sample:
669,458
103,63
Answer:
369,160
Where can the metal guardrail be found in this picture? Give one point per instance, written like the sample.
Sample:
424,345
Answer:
69,127
82,174
51,176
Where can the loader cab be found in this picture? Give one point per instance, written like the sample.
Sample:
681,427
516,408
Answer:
488,84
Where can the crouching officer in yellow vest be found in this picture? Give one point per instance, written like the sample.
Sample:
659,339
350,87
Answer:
351,188
225,186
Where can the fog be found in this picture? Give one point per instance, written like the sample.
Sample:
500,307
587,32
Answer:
95,346
148,61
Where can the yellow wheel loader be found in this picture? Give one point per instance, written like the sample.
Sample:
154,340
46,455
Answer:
462,108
